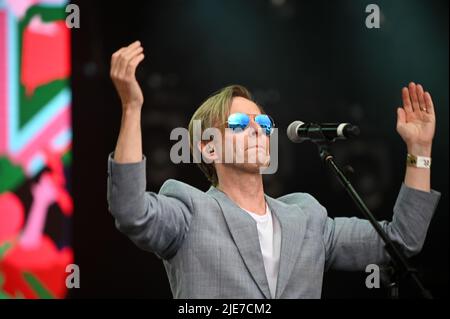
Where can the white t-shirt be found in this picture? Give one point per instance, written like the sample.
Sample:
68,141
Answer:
269,233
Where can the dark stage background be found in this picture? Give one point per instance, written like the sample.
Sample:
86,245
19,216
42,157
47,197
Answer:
308,60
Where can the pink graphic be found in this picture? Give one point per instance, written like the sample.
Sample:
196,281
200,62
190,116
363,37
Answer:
49,189
44,194
19,7
11,217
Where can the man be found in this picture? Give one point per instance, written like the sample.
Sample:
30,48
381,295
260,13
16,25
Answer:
233,241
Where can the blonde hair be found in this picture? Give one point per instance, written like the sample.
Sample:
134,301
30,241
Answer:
212,113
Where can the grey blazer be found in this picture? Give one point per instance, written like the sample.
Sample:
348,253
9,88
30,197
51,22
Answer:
210,246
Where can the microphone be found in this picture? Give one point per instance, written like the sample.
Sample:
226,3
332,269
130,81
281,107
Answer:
299,132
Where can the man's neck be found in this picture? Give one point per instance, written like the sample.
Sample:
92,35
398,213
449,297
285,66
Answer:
246,190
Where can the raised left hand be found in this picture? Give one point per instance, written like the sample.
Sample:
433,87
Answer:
416,120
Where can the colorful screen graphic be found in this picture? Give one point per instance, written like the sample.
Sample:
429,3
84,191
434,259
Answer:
35,149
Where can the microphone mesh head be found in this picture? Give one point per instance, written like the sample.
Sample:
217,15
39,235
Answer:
292,131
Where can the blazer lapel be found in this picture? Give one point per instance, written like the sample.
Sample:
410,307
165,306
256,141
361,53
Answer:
293,227
244,232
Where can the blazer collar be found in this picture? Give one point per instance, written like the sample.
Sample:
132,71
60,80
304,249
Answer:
244,232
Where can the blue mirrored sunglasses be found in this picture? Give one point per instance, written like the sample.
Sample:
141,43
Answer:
240,121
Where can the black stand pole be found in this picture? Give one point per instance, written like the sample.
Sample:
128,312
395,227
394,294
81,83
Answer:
401,266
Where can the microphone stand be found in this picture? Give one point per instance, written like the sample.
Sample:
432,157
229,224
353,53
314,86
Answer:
401,267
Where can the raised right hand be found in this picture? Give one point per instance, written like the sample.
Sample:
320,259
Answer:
123,68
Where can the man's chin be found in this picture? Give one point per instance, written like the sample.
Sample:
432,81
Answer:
253,168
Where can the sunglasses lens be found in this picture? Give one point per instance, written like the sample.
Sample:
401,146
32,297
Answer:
265,122
238,121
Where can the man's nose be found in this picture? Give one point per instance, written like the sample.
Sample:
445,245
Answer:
255,129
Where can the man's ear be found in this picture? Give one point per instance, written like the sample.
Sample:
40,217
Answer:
208,151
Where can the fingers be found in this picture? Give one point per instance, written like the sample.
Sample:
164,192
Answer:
114,62
420,95
406,100
417,104
134,45
134,62
417,101
120,60
127,56
429,103
414,98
